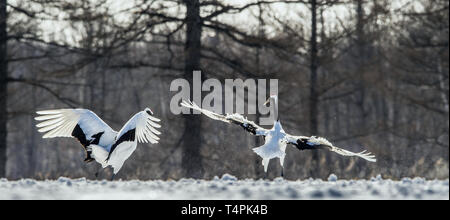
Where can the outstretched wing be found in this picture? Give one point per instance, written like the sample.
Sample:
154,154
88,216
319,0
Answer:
141,128
313,143
235,118
81,124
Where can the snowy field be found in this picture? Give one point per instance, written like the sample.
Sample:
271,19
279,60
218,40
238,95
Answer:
227,187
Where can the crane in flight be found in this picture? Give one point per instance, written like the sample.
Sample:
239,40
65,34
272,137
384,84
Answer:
276,139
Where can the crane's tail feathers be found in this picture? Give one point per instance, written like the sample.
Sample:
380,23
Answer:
267,154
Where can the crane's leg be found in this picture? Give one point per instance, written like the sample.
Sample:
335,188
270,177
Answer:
265,163
88,158
112,178
282,166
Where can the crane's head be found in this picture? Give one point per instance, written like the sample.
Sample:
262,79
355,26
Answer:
148,111
273,100
272,97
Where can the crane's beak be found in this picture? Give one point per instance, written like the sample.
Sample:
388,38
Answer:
267,102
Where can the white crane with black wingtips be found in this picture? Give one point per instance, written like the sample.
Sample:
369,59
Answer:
101,142
276,139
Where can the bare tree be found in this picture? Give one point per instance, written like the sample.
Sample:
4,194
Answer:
3,86
191,139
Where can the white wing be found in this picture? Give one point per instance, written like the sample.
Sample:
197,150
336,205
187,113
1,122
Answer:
235,118
313,143
144,125
121,153
140,128
81,124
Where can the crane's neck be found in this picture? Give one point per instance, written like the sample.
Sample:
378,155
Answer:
274,105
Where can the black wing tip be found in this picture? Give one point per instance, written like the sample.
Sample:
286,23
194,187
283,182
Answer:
249,128
302,144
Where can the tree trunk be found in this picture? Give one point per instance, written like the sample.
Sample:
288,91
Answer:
258,141
360,60
191,141
32,148
313,99
3,87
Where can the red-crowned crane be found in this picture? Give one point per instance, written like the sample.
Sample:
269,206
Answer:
276,139
101,142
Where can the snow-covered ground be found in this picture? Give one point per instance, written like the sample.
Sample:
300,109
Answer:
227,187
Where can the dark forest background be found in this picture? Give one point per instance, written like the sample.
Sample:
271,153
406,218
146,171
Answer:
366,74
